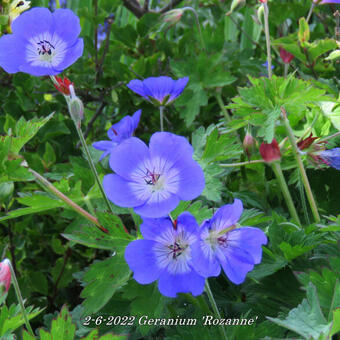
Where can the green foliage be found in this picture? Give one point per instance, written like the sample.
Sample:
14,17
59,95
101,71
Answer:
11,318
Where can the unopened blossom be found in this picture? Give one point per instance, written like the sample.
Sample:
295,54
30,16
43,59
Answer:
160,90
270,152
165,255
286,56
248,143
222,244
42,43
153,179
5,276
173,16
117,133
63,85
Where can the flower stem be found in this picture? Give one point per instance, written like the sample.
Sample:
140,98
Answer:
93,167
231,165
161,117
20,300
222,106
46,184
285,70
310,12
285,191
197,24
266,31
301,168
215,309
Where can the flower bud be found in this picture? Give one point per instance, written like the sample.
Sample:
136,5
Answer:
270,152
248,143
307,142
63,85
173,16
260,14
76,109
285,56
5,276
236,5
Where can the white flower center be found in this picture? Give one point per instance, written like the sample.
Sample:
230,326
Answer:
46,50
173,250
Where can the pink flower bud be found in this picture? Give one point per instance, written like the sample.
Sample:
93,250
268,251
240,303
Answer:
248,143
285,56
5,276
173,16
270,152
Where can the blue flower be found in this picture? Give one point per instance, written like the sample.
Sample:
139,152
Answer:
331,157
220,243
117,133
163,90
153,180
165,255
42,43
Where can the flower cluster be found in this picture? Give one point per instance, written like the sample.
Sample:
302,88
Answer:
181,255
152,180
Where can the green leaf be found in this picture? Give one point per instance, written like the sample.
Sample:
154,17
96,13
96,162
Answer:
105,277
320,47
335,55
332,111
307,319
62,327
11,318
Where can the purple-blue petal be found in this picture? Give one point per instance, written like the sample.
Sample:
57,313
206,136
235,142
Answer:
136,86
205,264
136,119
227,215
120,192
236,263
171,147
190,282
106,146
191,179
141,259
178,88
332,157
153,228
11,53
158,205
33,22
127,156
188,222
73,53
158,87
250,239
66,25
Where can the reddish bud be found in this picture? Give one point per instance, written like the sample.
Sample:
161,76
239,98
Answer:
270,152
63,85
263,1
5,276
286,56
307,142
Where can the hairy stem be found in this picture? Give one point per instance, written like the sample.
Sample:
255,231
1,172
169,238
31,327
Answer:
266,31
301,168
215,309
161,117
46,184
232,165
310,12
285,191
198,25
20,300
